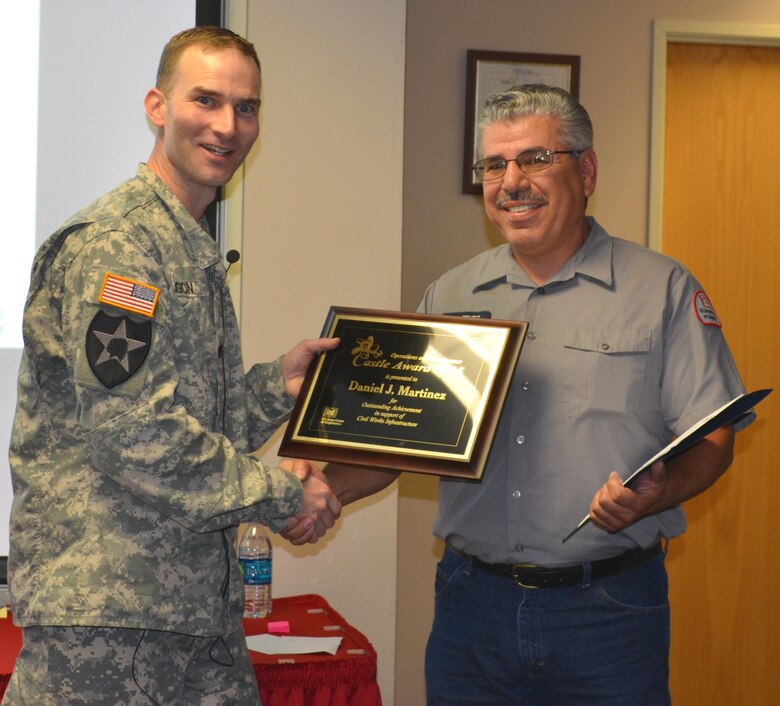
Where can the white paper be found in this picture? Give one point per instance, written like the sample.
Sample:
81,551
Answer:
288,645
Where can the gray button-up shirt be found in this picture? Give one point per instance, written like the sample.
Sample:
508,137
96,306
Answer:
622,353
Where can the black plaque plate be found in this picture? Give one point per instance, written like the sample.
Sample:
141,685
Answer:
406,392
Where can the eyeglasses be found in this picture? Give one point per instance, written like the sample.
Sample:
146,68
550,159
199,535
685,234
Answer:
528,162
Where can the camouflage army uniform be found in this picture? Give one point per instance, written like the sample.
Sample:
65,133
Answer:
129,451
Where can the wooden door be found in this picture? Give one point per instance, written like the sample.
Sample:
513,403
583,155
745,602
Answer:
722,220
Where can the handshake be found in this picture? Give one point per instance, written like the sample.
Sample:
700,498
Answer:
320,507
323,495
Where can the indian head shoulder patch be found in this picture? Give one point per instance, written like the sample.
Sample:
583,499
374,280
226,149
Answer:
129,294
705,312
116,347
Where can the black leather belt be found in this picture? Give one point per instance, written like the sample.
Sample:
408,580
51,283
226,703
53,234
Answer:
532,576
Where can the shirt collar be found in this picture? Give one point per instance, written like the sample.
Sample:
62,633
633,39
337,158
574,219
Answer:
593,260
196,234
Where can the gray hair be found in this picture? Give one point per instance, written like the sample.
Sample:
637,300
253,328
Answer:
575,127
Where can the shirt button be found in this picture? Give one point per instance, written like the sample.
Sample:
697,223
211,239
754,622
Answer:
525,385
531,335
605,346
541,290
520,547
516,494
520,439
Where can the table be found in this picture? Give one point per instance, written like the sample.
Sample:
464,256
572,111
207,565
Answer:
347,678
10,644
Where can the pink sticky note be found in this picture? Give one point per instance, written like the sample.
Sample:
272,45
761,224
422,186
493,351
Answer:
278,626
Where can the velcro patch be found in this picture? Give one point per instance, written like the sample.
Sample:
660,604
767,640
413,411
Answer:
187,289
705,312
116,347
129,294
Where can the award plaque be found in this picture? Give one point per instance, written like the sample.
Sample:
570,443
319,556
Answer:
406,392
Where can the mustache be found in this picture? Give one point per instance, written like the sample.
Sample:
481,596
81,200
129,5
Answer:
522,195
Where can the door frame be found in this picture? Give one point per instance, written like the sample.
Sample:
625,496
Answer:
231,215
664,32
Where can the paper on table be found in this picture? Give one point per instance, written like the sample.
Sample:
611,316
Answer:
275,644
727,414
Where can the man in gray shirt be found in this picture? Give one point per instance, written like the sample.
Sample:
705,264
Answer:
624,351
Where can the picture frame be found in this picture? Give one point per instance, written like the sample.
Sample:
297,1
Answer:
488,72
406,392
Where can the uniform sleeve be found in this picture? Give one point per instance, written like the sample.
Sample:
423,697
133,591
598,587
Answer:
699,373
138,427
269,404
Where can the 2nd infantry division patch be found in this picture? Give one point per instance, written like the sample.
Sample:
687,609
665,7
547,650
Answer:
117,347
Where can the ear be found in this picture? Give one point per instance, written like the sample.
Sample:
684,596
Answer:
589,167
155,105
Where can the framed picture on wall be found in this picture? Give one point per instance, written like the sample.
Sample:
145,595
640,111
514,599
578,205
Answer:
488,72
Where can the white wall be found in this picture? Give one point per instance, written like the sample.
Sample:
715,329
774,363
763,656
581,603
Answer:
98,60
322,226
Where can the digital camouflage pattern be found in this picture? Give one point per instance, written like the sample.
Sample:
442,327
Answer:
111,666
127,497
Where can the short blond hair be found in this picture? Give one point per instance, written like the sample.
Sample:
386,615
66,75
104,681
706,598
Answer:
206,38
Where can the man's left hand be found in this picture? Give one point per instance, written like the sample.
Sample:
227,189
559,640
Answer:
614,506
297,361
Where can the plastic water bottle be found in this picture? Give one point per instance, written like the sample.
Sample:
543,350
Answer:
255,557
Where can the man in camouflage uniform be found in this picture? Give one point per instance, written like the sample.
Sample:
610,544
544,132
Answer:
135,421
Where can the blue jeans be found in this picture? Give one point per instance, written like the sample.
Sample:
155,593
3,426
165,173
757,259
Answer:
604,643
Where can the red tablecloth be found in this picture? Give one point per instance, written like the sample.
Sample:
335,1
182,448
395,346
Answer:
10,644
347,678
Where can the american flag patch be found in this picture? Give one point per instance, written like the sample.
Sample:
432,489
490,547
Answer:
129,294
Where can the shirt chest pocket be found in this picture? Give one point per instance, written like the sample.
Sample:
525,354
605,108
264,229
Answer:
195,335
194,307
605,369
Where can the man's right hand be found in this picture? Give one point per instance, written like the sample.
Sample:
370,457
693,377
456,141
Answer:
348,482
320,507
